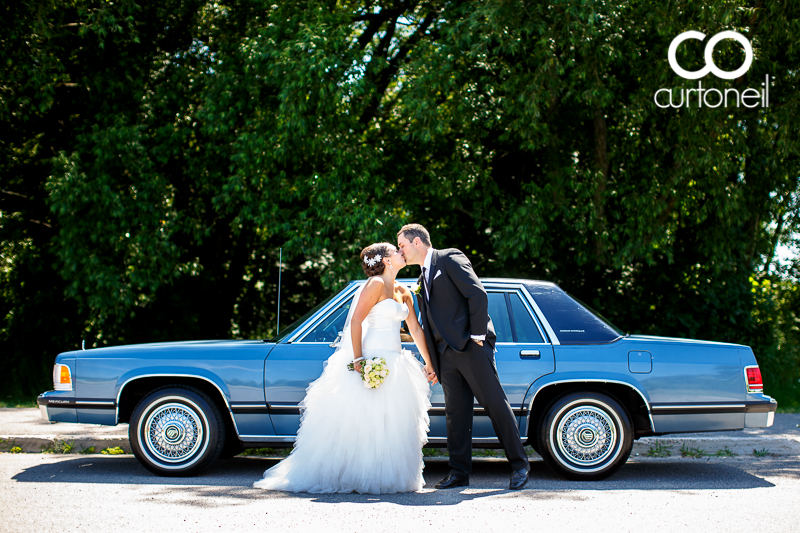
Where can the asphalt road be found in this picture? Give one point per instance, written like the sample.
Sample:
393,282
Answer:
113,493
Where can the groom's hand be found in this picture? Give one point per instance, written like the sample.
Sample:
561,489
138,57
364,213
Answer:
431,375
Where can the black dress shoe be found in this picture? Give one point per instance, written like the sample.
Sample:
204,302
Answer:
518,479
453,480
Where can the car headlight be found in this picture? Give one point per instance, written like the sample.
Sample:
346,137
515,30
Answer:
62,377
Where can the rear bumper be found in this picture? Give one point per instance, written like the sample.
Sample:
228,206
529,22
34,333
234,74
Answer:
760,414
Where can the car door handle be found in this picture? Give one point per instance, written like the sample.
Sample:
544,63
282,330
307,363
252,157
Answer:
529,354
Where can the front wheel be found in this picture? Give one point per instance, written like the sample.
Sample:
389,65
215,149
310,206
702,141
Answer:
585,436
176,431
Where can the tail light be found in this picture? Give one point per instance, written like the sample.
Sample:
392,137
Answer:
752,376
62,377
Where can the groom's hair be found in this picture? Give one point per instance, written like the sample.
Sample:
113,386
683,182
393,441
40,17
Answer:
412,231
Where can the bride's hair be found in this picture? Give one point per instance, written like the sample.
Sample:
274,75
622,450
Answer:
372,258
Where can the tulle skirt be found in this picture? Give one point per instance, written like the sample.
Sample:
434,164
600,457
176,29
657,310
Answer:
356,439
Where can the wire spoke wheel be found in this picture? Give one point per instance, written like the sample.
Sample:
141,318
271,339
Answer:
585,435
176,431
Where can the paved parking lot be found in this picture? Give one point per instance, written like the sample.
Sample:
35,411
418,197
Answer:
40,492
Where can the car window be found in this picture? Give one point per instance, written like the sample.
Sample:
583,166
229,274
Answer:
572,322
523,322
498,312
329,328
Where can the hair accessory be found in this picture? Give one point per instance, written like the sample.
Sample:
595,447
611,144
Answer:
371,261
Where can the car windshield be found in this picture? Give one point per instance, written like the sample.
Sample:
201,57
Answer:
285,332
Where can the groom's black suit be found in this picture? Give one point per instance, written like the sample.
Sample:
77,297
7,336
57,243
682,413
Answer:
456,309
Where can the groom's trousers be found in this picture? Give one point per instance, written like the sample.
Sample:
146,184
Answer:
469,374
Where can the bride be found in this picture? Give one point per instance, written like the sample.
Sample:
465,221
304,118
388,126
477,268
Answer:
358,439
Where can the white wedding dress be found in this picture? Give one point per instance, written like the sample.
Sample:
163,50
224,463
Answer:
356,439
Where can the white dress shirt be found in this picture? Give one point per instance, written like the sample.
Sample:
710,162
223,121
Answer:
426,265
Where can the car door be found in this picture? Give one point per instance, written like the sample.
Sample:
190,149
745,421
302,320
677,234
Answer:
522,353
298,361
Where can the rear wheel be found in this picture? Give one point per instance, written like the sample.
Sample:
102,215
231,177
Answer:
585,436
176,431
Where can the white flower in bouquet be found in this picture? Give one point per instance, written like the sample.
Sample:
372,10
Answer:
373,371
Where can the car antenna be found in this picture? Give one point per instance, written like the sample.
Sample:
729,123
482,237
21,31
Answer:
280,268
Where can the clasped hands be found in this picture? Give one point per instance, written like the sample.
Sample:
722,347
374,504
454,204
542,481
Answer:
431,375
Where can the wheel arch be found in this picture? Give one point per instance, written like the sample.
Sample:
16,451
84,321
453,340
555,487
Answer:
137,387
628,395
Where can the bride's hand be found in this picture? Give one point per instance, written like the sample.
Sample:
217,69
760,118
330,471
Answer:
431,375
357,366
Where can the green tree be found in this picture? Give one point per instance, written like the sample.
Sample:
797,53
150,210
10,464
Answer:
157,157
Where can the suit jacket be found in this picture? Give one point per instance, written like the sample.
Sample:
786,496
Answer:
458,303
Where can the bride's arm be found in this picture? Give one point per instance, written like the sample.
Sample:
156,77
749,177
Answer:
418,335
369,297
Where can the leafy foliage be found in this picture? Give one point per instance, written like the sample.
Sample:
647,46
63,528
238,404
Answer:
157,156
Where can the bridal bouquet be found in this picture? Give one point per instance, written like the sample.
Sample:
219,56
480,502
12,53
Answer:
373,371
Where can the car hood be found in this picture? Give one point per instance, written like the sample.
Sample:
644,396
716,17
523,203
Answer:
176,347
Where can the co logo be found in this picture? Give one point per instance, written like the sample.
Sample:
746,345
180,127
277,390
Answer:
710,66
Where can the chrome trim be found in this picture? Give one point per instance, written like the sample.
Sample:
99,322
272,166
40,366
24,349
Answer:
617,382
313,320
224,398
267,438
43,412
537,317
698,406
536,354
747,381
86,402
250,406
550,332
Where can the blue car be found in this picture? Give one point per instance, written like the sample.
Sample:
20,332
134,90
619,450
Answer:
582,390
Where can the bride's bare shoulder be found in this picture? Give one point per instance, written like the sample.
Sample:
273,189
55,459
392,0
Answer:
375,284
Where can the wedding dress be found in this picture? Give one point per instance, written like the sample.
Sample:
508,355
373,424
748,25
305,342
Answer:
353,438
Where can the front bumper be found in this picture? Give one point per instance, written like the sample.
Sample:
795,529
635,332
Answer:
43,407
58,406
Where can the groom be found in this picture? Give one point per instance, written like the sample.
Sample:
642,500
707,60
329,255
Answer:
460,337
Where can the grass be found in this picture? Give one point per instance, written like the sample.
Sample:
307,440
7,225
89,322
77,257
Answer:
694,453
90,449
763,452
434,452
725,452
116,450
13,401
267,452
487,452
59,446
659,450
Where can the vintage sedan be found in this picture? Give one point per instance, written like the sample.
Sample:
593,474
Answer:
581,389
